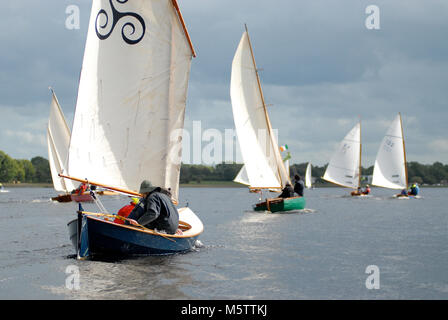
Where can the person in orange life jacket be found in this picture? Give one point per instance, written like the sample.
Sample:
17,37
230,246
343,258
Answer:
126,210
81,189
366,190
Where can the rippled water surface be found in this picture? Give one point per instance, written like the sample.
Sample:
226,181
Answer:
321,252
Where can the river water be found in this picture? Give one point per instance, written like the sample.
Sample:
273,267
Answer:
321,252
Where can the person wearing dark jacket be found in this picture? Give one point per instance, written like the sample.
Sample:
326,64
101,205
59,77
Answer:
287,192
155,210
299,185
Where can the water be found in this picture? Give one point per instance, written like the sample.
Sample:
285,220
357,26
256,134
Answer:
319,253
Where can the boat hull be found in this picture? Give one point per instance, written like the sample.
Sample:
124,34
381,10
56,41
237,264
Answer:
63,198
69,197
357,194
85,197
92,236
281,205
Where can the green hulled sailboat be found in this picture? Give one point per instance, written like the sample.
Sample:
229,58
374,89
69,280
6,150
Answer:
263,166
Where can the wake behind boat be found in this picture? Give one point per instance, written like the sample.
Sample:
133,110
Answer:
263,166
128,122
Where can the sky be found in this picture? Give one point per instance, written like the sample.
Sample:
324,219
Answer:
321,71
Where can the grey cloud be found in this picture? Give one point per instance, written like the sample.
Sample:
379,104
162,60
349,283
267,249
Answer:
321,69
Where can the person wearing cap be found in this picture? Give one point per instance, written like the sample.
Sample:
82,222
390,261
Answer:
126,210
287,192
155,210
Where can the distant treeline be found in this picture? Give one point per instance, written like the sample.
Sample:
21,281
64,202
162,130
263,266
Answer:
434,174
20,170
430,174
37,170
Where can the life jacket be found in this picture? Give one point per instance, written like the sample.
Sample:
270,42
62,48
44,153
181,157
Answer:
124,212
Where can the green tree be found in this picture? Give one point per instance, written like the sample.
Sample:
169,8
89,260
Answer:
8,168
29,170
42,167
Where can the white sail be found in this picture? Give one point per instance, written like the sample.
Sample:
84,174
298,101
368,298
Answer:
58,141
132,95
390,164
241,177
287,167
343,168
308,182
263,164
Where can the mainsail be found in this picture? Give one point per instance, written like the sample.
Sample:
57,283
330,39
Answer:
308,182
132,95
242,177
58,141
344,167
263,165
390,165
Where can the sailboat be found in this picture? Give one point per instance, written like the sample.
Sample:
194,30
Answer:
129,119
390,169
308,180
263,166
344,168
2,189
58,141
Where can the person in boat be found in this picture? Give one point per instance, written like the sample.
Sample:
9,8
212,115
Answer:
366,190
155,210
357,192
81,189
414,190
287,192
126,210
299,186
403,193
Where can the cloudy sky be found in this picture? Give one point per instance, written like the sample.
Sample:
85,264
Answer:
322,69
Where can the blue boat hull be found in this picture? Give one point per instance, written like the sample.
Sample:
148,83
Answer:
95,237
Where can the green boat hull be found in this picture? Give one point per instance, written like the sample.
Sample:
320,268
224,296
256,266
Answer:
280,205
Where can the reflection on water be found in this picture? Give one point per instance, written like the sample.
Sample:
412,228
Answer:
320,252
138,278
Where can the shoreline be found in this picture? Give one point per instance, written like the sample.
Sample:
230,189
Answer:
28,185
205,184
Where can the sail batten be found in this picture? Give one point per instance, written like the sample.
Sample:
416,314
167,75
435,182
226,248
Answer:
344,166
390,164
132,96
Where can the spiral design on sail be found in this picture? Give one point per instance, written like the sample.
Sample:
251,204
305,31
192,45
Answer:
128,29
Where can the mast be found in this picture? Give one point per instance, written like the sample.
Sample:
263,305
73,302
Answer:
184,27
360,153
268,122
404,152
